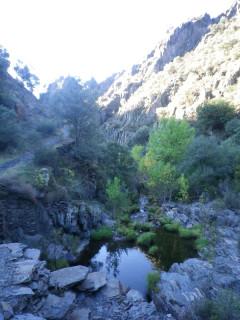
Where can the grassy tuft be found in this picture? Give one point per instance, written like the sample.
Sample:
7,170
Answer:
102,233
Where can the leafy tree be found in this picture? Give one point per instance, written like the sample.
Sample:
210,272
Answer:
168,142
117,162
9,128
141,136
28,78
71,101
4,60
207,163
183,193
214,115
166,148
117,196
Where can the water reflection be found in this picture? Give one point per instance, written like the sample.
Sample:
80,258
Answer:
131,264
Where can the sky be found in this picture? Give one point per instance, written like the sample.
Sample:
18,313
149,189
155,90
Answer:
91,38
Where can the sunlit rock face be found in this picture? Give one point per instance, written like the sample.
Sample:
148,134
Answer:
197,61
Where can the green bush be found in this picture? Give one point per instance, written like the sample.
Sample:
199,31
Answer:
171,227
102,233
152,280
189,233
146,239
124,219
142,227
201,243
153,250
127,232
214,115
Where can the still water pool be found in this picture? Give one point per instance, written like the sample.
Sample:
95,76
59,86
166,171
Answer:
131,264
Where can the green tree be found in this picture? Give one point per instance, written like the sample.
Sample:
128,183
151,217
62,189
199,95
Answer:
165,150
183,193
117,195
4,60
28,78
212,116
9,128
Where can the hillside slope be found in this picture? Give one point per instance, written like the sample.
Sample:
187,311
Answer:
199,60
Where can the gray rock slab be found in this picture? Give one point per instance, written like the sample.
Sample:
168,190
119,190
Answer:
68,277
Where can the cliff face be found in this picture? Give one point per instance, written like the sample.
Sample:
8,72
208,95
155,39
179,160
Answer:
197,61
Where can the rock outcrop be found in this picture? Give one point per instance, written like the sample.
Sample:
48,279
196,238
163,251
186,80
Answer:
188,283
197,61
28,291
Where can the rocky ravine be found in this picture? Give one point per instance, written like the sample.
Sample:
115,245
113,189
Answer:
199,60
29,291
188,283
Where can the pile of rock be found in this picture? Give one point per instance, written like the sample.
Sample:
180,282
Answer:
186,284
29,291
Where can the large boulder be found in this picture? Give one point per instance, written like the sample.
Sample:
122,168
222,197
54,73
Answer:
68,277
56,307
182,287
94,282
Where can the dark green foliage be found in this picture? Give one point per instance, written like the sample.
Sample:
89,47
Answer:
117,162
171,227
189,233
207,163
9,129
102,233
152,280
213,116
141,136
146,239
153,250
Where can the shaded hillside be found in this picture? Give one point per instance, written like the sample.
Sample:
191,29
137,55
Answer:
199,60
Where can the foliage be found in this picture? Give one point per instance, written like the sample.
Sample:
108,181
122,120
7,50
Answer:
183,193
189,233
28,78
153,250
4,59
165,150
9,128
141,136
171,227
142,227
146,239
102,233
117,196
207,163
212,116
152,280
117,162
201,243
